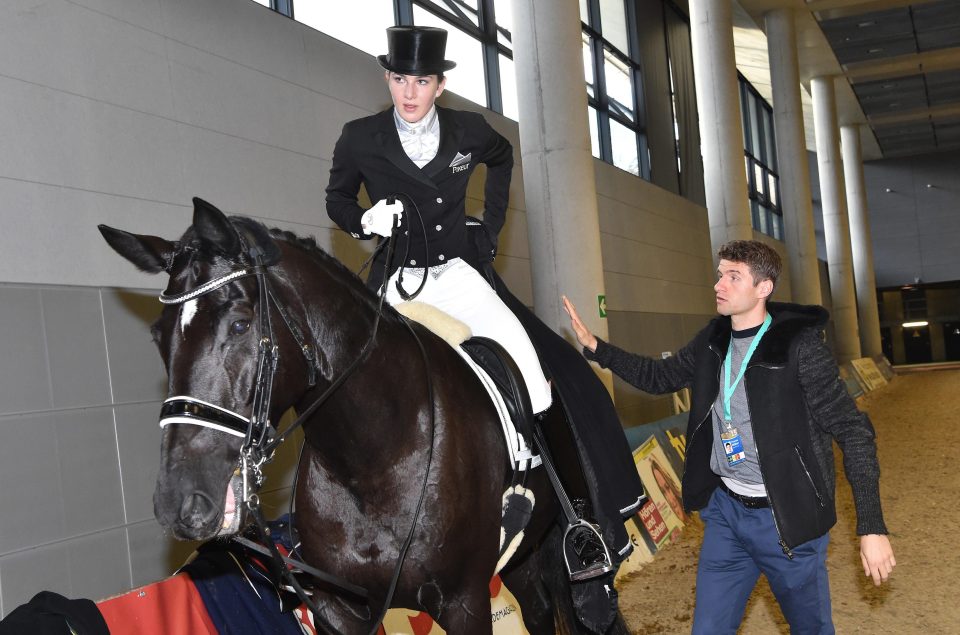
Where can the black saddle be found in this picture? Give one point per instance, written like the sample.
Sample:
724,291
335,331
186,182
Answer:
496,361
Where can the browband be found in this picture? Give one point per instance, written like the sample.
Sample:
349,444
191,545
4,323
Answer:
207,287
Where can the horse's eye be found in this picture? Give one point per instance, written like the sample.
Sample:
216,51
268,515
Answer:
239,327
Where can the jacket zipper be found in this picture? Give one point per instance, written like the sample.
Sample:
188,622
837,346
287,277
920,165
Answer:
773,510
709,410
809,476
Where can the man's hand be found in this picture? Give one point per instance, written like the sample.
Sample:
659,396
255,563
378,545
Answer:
876,554
584,336
382,218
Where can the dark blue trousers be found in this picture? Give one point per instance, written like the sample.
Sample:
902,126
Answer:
738,545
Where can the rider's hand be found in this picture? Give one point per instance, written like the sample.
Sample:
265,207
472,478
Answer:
382,218
584,336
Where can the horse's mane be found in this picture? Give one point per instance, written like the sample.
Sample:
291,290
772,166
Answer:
255,233
344,276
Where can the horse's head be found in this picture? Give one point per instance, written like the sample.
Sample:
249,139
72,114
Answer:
216,346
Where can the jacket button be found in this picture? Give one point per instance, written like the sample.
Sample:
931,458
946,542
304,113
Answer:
441,257
439,200
439,227
413,262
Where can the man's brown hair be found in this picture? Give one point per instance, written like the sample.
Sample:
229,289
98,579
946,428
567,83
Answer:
763,260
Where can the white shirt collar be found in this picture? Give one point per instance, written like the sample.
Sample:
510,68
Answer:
429,122
421,139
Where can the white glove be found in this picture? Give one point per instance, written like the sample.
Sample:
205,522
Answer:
382,218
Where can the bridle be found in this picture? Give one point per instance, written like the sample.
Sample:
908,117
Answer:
259,444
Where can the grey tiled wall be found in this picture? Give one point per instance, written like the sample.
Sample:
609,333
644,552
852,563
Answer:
80,390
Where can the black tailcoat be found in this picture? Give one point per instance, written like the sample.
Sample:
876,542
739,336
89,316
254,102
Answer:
369,152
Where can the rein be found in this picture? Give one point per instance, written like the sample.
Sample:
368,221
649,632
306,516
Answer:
259,447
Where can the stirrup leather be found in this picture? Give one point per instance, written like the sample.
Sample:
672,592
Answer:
590,571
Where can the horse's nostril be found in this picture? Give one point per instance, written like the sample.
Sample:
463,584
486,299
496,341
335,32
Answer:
197,510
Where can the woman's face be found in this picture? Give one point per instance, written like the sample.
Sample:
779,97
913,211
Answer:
668,493
413,95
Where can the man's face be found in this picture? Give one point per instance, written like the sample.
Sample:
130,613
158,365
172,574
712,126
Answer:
736,293
413,95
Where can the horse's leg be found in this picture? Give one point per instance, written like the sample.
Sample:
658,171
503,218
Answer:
339,616
523,579
466,611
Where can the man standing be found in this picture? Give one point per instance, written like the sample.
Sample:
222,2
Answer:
766,403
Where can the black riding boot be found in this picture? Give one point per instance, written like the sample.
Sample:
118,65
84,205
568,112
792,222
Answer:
583,538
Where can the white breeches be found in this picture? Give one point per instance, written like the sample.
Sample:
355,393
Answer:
463,293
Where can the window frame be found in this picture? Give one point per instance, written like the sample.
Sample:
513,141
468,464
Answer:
600,100
766,209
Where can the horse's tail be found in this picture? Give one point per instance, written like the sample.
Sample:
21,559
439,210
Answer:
557,580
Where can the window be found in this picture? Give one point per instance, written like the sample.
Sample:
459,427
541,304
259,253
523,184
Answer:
480,41
760,162
479,37
339,20
614,90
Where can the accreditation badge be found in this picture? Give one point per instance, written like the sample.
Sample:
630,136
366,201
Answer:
733,447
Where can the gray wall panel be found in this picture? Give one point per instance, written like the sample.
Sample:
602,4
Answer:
138,438
99,564
29,458
25,573
153,554
24,374
916,228
73,322
136,371
89,471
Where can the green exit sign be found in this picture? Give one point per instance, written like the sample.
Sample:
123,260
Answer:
602,305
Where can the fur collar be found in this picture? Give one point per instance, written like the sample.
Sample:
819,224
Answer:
788,321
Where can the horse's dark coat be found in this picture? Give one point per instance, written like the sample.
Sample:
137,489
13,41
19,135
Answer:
366,449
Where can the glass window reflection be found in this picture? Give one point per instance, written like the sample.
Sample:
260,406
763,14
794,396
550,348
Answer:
619,85
613,24
340,19
623,142
508,88
594,132
467,53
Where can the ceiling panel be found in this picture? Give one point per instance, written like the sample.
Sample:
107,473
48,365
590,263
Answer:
891,41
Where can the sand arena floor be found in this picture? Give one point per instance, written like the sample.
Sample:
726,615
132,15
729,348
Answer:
917,418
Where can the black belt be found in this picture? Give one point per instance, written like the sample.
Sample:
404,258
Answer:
750,502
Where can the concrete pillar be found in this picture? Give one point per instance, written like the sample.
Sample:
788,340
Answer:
721,128
795,196
563,225
860,242
836,230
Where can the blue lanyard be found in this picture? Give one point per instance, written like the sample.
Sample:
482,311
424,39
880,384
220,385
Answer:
727,388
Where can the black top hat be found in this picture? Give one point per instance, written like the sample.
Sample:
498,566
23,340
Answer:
416,50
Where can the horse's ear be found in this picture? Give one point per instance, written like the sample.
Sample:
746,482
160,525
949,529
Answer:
213,226
148,253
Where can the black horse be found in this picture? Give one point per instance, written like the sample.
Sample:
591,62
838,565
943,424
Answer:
410,419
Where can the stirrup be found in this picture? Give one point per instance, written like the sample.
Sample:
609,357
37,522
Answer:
592,570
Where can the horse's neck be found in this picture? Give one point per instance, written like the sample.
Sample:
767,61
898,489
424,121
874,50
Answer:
375,415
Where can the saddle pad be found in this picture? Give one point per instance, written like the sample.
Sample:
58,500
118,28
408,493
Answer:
455,332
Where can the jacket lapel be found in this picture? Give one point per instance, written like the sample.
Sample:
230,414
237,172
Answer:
451,136
387,138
